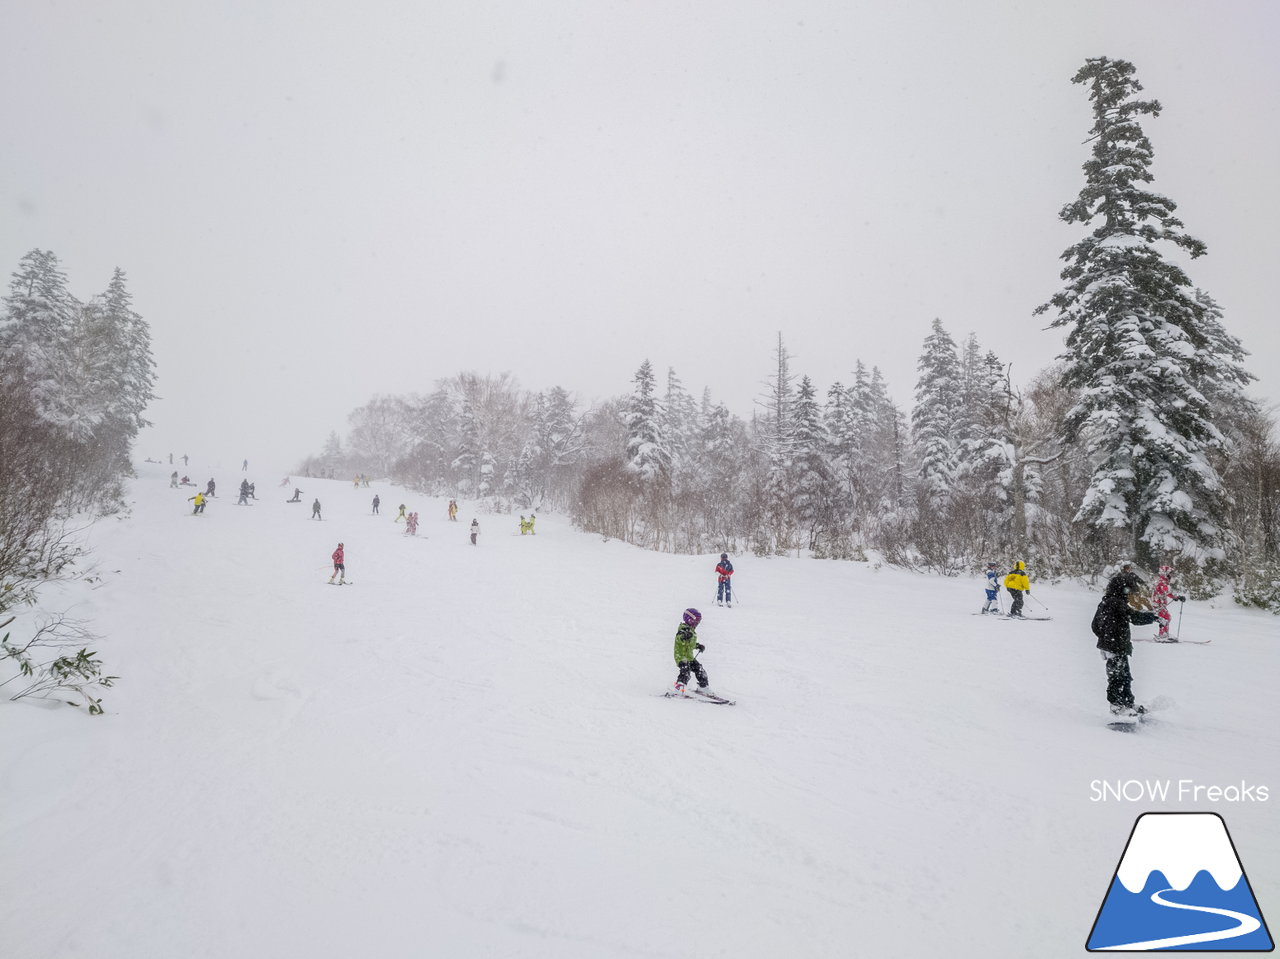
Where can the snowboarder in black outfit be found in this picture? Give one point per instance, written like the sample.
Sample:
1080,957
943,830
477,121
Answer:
1111,625
209,489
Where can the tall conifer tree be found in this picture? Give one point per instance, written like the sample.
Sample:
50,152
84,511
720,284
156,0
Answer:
1142,347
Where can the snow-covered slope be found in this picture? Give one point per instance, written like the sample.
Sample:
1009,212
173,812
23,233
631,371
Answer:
465,753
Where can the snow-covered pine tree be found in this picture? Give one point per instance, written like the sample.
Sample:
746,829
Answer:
774,437
647,453
131,370
935,416
37,363
722,458
812,493
1141,345
842,447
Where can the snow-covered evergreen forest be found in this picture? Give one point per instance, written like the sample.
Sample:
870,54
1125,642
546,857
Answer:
1138,442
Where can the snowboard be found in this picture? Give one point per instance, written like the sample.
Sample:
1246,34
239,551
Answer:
1129,724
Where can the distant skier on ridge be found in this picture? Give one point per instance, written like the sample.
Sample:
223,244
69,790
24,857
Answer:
724,587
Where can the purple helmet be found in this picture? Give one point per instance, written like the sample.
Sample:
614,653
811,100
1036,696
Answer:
692,616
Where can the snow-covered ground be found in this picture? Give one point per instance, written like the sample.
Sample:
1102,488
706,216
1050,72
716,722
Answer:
465,753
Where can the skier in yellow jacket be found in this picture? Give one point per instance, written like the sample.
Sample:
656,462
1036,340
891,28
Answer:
1017,584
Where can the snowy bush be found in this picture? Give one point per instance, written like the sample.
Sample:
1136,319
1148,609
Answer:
47,665
1260,587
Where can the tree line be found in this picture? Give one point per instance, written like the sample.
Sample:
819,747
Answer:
75,378
1138,443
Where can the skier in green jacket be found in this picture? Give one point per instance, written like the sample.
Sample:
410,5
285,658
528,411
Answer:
686,652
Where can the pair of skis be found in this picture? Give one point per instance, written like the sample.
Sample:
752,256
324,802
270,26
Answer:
699,696
996,615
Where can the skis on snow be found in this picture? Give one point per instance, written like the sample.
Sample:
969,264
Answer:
700,697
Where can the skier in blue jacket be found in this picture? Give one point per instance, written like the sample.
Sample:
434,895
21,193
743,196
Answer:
992,605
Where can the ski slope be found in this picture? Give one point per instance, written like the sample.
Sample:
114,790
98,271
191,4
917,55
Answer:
465,753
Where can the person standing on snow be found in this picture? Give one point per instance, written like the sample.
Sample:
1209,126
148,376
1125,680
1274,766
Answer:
1111,624
198,499
1161,596
1017,583
339,565
244,494
210,488
724,588
686,652
402,515
376,503
315,509
475,531
992,605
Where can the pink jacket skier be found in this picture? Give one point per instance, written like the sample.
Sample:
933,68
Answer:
1161,597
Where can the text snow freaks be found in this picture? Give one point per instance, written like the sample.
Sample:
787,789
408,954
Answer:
1170,790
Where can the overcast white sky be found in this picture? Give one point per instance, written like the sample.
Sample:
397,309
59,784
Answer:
319,202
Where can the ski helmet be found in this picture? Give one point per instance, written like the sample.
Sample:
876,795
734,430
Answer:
692,616
991,565
724,555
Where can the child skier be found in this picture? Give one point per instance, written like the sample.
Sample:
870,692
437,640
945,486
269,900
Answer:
686,653
1161,596
475,531
1017,583
724,588
339,565
992,605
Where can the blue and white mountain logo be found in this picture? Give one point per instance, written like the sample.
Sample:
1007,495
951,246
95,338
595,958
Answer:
1180,887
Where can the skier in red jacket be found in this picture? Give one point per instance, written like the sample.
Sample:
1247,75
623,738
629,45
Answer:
339,565
724,589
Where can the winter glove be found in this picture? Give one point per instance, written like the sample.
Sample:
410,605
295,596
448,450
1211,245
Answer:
1181,599
700,647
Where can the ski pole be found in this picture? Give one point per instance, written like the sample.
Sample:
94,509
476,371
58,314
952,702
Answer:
1181,604
1042,605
